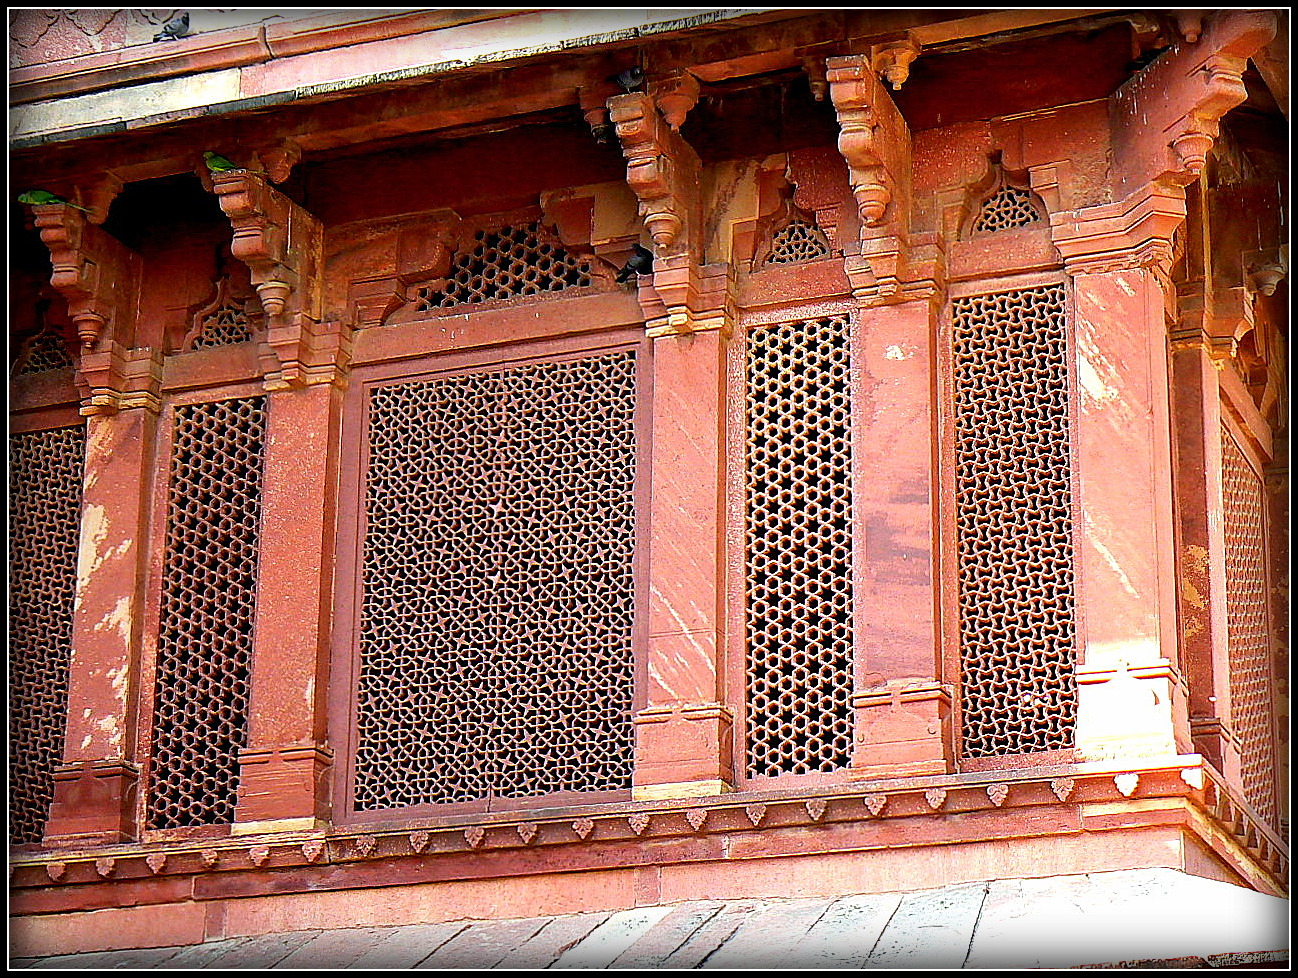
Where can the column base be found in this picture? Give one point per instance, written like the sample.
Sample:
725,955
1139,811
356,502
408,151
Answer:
683,751
903,728
94,802
286,783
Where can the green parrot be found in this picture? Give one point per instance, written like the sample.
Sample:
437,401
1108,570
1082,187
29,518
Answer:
219,164
45,197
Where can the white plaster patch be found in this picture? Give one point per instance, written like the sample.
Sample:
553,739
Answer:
94,530
895,352
119,618
1092,383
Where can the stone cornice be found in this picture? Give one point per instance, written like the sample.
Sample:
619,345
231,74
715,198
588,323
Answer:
1097,791
1135,232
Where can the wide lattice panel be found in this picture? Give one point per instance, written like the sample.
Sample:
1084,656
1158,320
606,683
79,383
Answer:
496,649
504,264
44,524
798,548
1246,626
209,592
1014,522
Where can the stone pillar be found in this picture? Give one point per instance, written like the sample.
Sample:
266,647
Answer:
1131,697
683,733
283,769
902,707
1198,487
96,786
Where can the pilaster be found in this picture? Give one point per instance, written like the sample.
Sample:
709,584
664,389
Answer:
95,786
683,732
1131,699
283,779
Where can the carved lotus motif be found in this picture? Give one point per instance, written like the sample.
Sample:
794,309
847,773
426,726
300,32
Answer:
638,822
583,827
874,803
258,855
696,817
755,814
998,793
474,835
419,841
527,832
1062,787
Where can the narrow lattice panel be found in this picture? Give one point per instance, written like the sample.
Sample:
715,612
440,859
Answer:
1008,208
45,351
496,649
799,548
209,591
514,261
44,520
1246,624
223,327
797,241
1014,522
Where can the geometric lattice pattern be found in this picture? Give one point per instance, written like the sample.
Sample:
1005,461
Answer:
799,548
496,649
45,351
45,469
514,261
1246,625
223,326
797,241
1008,208
1014,523
209,592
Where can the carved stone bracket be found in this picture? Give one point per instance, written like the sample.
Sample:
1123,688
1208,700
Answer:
97,274
282,245
663,171
874,140
1165,118
675,95
892,60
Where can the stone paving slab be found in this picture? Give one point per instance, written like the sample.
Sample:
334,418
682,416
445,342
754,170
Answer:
1140,918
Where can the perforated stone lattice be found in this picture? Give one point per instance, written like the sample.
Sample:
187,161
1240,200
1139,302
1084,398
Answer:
223,327
797,241
514,261
496,629
44,527
799,548
209,591
1008,208
1014,522
1246,626
45,351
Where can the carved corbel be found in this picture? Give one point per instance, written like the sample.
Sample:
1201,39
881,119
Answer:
593,100
675,96
663,171
95,273
874,140
892,60
1164,119
282,245
277,161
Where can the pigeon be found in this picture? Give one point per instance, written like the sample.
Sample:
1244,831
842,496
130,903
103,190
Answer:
45,197
175,28
219,164
630,79
641,262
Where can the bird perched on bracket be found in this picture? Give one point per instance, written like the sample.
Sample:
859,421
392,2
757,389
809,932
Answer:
641,262
218,164
175,28
630,79
45,197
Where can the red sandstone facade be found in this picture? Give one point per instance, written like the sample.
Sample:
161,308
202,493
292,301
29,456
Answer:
380,553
